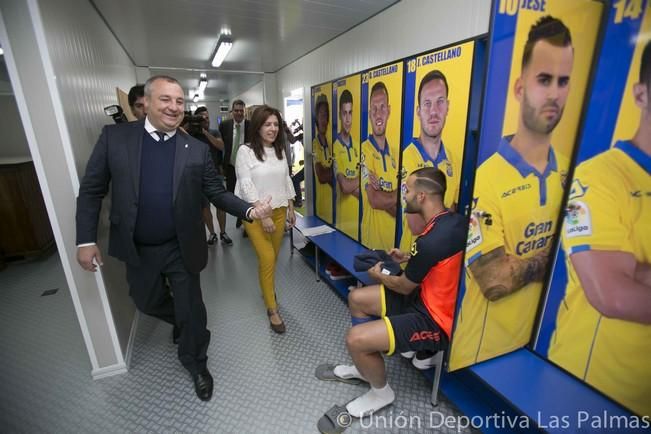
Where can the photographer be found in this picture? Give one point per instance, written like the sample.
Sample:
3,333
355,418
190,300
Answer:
298,177
198,126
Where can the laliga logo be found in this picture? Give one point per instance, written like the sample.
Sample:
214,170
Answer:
574,213
473,227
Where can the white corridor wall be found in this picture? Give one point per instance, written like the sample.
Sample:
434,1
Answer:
64,68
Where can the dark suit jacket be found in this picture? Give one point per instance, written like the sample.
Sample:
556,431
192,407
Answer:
226,130
116,160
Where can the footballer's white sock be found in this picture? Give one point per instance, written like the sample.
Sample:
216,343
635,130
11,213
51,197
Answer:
371,401
348,371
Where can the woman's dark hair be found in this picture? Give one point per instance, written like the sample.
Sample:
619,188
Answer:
258,118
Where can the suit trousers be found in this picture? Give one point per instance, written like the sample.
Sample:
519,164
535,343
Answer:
231,177
267,247
183,307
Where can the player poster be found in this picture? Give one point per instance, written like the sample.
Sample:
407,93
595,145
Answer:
539,66
347,153
598,311
322,152
437,92
381,112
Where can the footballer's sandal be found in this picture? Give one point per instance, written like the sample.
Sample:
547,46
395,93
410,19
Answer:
326,372
335,420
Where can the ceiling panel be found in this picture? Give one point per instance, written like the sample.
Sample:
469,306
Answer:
221,85
171,35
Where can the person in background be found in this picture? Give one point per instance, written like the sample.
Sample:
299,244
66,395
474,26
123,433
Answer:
262,171
235,132
137,101
214,139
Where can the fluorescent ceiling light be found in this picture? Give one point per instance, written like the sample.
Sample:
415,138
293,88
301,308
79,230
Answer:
203,82
224,44
195,98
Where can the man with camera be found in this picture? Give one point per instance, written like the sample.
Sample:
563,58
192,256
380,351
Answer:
198,126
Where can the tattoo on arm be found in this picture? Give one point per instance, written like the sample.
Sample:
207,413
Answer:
499,274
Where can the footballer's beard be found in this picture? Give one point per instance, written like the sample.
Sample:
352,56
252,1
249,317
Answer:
412,207
535,121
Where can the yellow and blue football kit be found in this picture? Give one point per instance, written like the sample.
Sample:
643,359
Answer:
415,157
515,207
346,161
323,155
609,209
378,226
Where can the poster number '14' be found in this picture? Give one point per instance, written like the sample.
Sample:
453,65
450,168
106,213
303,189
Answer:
629,9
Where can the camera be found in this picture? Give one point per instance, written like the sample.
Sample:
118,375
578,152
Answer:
297,130
115,111
193,124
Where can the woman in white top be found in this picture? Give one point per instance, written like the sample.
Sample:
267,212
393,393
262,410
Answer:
262,171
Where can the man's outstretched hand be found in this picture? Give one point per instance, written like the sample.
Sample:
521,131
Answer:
262,209
88,257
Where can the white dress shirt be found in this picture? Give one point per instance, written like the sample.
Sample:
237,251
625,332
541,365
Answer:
152,131
258,179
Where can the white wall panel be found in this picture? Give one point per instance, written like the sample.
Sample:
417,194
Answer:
64,65
253,96
89,64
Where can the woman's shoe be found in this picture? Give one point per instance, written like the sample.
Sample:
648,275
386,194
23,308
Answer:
278,326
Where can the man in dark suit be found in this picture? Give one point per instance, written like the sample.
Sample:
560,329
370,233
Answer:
235,132
158,176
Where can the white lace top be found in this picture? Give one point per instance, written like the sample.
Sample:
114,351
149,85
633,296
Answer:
258,179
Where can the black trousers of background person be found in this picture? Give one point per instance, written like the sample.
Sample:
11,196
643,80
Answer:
231,180
185,309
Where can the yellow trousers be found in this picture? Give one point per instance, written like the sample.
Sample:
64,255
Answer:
267,246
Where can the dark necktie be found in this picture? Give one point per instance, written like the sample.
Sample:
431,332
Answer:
161,135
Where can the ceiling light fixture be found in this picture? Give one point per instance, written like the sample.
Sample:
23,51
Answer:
203,83
195,98
224,44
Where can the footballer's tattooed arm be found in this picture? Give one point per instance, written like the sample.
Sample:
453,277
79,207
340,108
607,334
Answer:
499,274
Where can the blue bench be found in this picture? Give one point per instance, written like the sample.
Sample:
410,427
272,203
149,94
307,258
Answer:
521,391
553,400
337,247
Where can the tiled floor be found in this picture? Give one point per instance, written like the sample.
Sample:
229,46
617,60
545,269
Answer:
264,383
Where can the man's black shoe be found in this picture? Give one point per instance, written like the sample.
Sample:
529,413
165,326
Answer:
238,223
176,334
212,240
225,239
203,385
